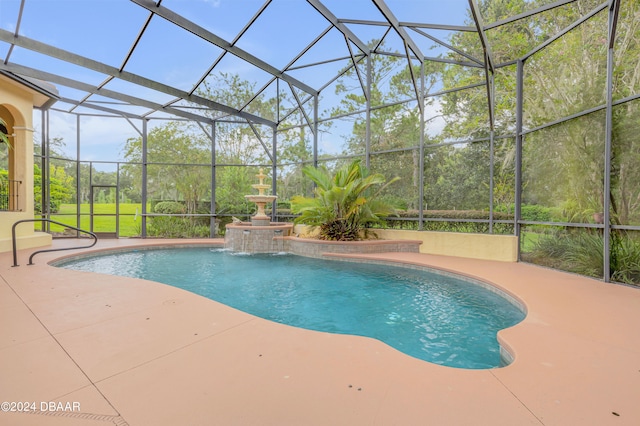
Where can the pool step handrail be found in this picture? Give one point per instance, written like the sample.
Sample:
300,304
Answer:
13,239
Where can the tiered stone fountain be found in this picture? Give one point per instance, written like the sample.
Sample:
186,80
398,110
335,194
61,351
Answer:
260,235
260,218
263,236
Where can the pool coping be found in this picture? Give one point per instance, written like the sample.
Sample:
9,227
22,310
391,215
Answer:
576,355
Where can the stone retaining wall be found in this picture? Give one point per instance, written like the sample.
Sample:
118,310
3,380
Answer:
316,248
245,238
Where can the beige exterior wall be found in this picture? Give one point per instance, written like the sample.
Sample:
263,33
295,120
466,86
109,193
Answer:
27,238
476,246
16,108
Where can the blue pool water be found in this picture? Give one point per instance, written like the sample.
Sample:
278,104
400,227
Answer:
433,317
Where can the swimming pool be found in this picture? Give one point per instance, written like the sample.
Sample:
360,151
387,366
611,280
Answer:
430,316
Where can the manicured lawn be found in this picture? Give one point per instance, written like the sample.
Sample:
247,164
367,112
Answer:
129,223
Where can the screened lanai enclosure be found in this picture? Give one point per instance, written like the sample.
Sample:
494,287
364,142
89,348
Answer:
518,117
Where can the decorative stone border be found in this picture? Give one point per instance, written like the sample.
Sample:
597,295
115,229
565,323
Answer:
317,248
277,237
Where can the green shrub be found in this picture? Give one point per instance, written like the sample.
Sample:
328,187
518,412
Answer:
568,252
176,227
408,219
535,213
625,259
532,213
169,207
581,252
584,253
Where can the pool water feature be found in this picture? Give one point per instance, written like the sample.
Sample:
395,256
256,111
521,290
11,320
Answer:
437,318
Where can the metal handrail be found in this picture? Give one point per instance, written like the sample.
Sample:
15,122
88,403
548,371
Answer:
13,239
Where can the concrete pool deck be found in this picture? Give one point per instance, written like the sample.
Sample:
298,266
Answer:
89,349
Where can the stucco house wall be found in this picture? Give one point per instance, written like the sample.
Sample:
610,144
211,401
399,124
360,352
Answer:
18,98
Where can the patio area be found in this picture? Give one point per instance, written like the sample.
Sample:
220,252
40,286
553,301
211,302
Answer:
90,349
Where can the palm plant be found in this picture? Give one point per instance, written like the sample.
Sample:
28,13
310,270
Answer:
345,204
4,138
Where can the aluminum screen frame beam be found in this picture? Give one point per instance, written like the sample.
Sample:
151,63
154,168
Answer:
412,25
488,60
477,17
102,68
567,29
206,35
85,87
446,45
395,24
329,16
528,14
614,11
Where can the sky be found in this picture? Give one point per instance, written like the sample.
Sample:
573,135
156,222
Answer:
104,30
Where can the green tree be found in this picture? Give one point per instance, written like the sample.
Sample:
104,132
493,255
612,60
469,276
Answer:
625,179
564,165
238,144
456,178
4,137
394,122
58,188
173,147
294,150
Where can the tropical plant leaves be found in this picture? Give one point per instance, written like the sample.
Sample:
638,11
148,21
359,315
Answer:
344,204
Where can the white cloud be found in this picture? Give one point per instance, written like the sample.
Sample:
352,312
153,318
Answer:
102,138
434,121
